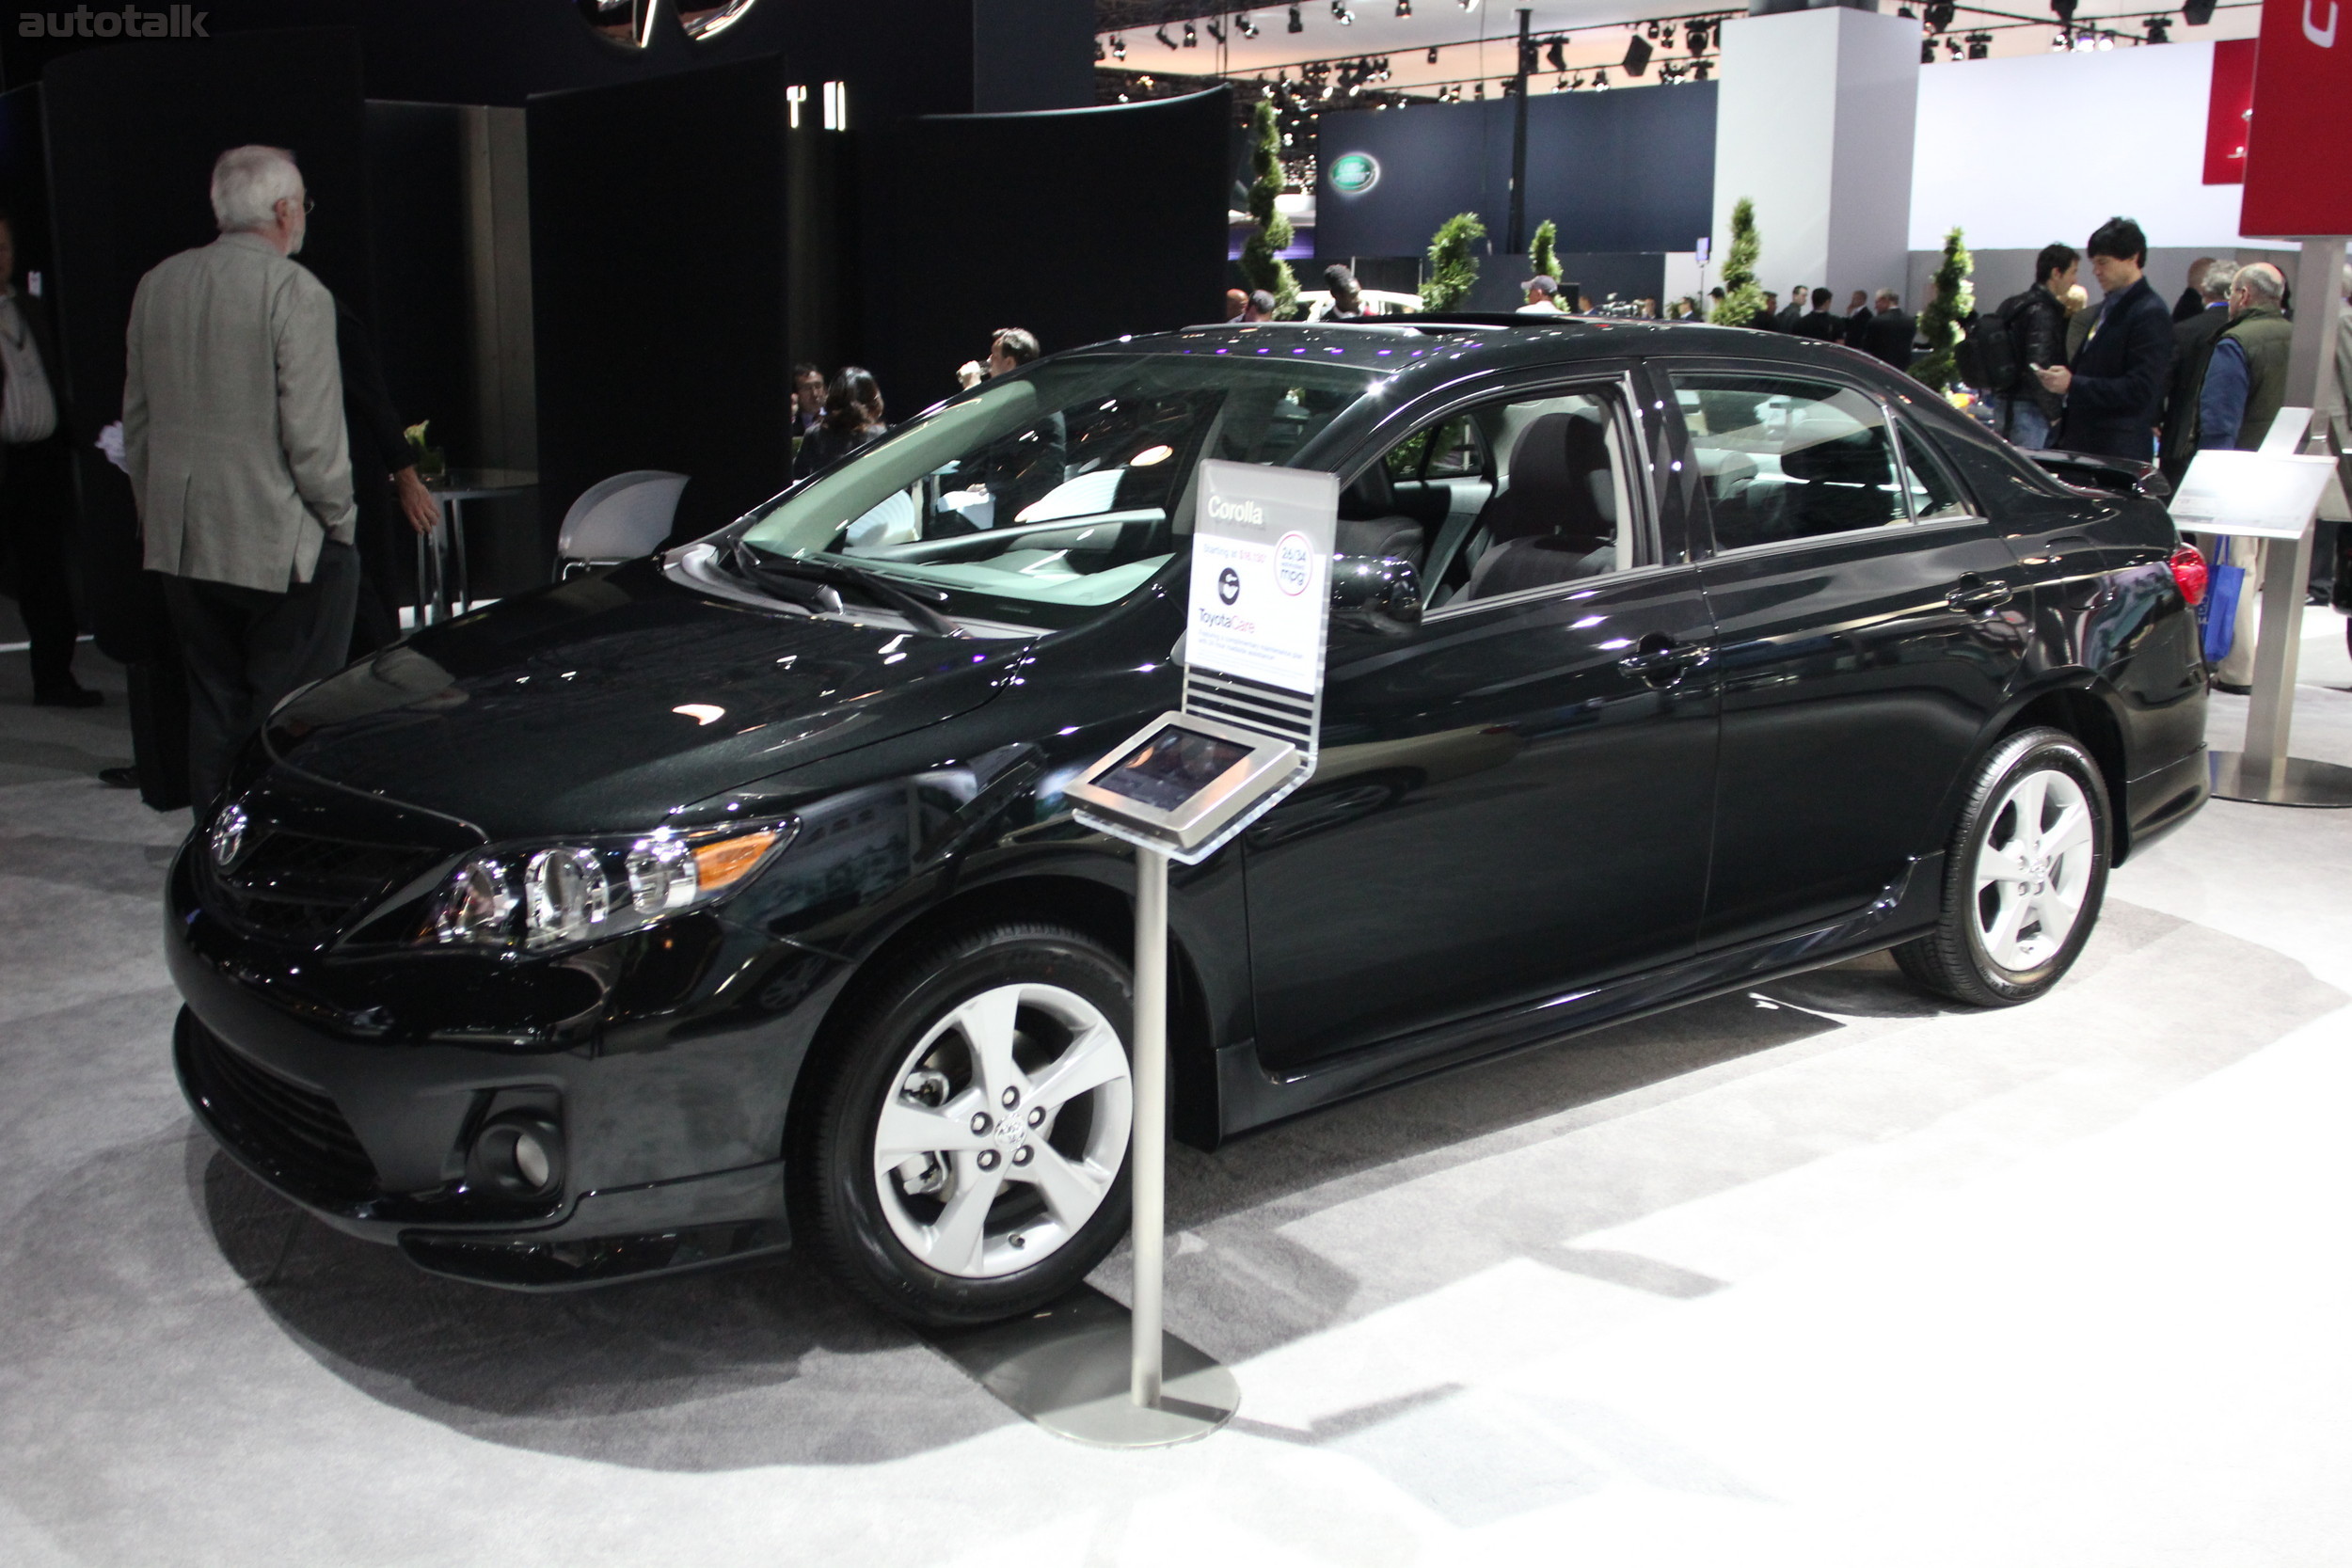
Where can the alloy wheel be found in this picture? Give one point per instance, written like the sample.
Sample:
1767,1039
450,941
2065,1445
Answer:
1004,1129
2033,870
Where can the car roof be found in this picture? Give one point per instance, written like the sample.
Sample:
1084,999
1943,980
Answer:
1453,343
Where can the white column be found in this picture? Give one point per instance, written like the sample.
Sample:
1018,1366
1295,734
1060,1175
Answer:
1814,123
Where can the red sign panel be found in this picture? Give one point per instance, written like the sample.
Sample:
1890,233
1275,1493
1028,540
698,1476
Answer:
2298,146
2227,109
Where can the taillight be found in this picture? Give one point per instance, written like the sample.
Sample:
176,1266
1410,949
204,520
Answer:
2188,570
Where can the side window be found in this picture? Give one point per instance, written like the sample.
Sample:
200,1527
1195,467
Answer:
1449,448
1935,496
1511,496
1787,459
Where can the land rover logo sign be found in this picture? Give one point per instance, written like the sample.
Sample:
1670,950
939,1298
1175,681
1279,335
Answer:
227,837
1354,173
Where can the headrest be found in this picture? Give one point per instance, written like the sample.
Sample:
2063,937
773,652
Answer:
1370,494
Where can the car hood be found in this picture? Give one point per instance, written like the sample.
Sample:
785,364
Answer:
611,702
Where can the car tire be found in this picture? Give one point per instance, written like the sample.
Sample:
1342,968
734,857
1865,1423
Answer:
968,1162
2024,877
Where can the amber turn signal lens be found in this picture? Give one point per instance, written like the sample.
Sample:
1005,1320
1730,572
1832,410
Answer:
717,864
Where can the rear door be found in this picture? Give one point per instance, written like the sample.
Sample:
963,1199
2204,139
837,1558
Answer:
1513,795
1869,621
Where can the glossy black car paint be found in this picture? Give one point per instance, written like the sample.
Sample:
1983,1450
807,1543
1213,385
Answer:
1511,836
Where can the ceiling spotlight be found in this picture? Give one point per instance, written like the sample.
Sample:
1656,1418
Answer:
2159,29
1160,33
1927,51
1297,25
2106,40
1248,28
1192,39
1561,85
1698,35
1601,81
1980,45
1699,70
2197,12
1576,83
1478,90
1557,52
2063,11
1403,7
1666,34
1432,54
1906,13
1341,14
1940,14
1119,47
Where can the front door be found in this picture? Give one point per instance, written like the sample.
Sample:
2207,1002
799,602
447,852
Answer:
1512,796
1869,622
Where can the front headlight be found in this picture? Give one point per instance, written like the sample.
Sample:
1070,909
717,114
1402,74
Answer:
549,895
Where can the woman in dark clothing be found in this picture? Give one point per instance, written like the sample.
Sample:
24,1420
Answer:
853,416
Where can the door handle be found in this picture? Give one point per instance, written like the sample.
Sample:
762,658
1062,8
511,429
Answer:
1659,656
1975,593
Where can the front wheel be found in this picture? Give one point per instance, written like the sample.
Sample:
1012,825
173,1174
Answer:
970,1160
2023,878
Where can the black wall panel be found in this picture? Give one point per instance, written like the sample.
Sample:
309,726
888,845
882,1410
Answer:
1616,172
1079,224
133,131
417,195
658,267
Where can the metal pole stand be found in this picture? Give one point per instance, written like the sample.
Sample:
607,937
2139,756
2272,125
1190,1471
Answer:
2264,775
1084,1368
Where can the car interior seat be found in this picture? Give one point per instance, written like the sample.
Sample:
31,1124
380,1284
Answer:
617,519
1840,483
1370,524
1556,519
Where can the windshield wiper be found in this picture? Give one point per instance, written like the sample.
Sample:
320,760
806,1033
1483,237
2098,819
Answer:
793,574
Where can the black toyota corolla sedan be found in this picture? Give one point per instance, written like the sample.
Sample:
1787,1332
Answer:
727,901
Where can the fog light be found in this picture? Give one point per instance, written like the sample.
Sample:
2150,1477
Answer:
519,1154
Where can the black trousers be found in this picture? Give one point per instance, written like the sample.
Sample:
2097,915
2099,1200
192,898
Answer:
36,510
244,649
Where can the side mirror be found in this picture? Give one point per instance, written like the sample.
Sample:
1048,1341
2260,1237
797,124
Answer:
1376,593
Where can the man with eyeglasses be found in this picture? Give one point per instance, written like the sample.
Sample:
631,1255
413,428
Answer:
233,431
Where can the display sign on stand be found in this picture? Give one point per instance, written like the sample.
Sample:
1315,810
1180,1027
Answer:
1180,788
2271,494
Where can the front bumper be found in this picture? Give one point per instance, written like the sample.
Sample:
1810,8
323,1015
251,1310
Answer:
671,1129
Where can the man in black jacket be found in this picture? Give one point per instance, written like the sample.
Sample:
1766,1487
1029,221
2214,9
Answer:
1819,323
2037,332
385,490
1792,312
2116,385
1888,338
2192,350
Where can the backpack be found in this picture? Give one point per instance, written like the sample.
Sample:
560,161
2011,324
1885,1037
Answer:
1988,354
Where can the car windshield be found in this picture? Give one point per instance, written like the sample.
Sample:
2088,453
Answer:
1049,494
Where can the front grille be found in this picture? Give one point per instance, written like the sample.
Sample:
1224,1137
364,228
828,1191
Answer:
296,885
297,1136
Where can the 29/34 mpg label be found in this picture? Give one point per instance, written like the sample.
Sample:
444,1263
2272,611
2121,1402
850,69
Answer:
1262,573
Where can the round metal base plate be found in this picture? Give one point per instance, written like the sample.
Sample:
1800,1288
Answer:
2301,783
1067,1368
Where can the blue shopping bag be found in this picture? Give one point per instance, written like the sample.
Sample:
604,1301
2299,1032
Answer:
2223,584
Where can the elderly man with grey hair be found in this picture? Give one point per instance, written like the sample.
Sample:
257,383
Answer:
233,430
2245,382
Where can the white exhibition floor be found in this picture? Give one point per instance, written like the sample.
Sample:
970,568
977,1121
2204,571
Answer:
1820,1275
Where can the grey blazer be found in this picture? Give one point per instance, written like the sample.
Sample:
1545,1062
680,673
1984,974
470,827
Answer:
232,417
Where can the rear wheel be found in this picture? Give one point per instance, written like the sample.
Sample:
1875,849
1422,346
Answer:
969,1162
2024,876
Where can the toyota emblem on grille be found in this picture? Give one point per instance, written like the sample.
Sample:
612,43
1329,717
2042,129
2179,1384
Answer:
228,836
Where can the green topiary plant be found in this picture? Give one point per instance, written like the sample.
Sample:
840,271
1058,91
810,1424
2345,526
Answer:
1544,257
1742,301
1261,263
1943,320
1453,265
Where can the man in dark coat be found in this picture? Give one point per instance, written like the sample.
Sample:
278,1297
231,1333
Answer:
37,483
1888,338
1857,324
1787,318
385,488
1818,322
2115,387
2193,351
